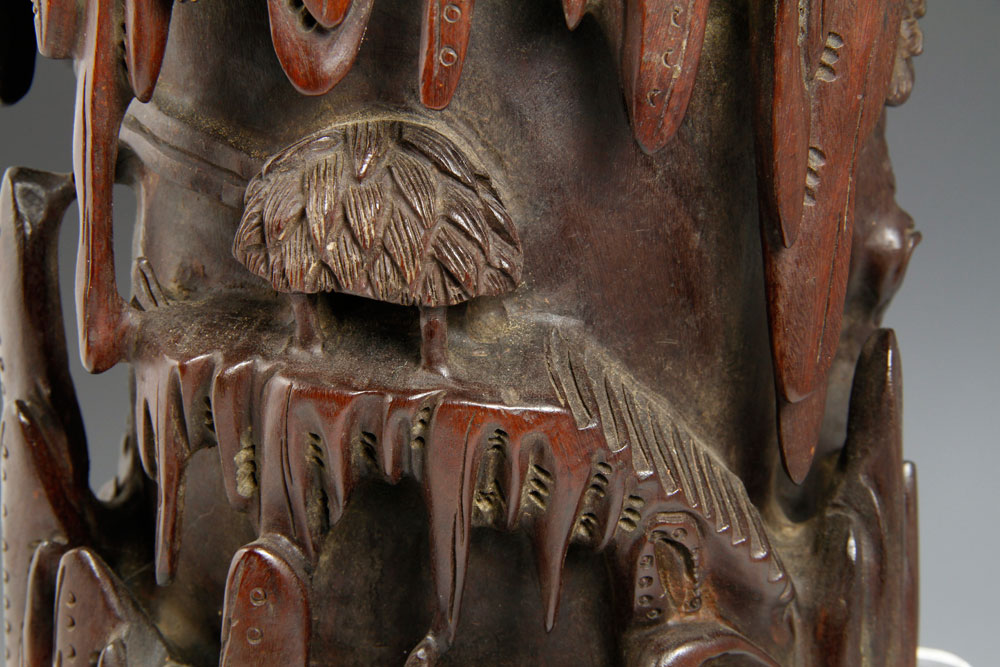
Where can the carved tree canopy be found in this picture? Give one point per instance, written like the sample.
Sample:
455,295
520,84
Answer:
386,210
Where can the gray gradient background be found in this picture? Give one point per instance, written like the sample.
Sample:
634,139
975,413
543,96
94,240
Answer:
944,143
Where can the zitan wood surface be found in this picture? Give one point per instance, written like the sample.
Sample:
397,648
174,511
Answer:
585,386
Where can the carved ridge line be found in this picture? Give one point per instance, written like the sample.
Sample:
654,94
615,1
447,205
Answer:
681,463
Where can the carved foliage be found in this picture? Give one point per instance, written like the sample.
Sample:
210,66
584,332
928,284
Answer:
385,210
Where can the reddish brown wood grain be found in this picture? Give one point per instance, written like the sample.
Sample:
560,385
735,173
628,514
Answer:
574,11
328,13
315,59
663,42
146,26
806,267
443,43
101,100
783,118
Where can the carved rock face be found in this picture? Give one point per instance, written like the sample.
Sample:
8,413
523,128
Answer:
605,439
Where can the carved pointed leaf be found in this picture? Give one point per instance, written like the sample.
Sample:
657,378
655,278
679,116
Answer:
403,241
283,209
454,254
415,183
362,206
320,185
344,258
439,150
368,143
499,220
468,216
303,269
386,280
439,287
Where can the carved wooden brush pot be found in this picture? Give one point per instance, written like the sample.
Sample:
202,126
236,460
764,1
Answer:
461,337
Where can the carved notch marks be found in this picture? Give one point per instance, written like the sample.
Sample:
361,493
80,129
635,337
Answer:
822,72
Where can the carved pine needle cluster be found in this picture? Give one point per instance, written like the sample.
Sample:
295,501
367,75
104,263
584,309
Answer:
387,210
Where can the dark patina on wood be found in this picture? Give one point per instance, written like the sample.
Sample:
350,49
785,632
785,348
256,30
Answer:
459,336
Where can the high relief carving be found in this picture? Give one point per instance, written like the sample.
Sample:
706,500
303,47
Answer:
461,337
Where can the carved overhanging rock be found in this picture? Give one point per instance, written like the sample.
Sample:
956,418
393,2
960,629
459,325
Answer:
583,453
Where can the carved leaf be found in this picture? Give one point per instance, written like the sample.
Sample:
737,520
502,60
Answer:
283,209
320,184
344,258
409,223
415,184
362,207
367,144
403,244
454,255
440,151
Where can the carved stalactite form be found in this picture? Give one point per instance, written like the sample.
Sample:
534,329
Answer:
663,43
812,158
146,27
171,415
443,42
316,57
574,460
574,11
